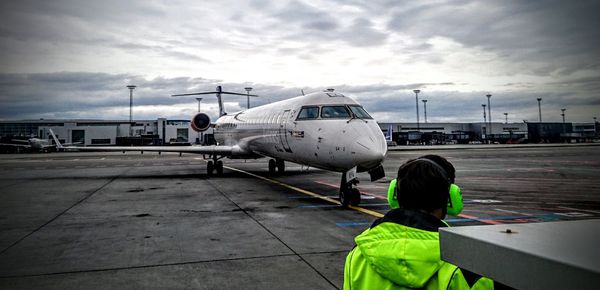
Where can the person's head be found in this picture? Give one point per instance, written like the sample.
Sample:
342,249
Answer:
424,184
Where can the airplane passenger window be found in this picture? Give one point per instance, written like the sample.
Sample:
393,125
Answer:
359,112
308,113
330,112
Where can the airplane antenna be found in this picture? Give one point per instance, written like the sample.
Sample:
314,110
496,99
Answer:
301,90
218,92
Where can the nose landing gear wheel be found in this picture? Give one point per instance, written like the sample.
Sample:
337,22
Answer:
350,196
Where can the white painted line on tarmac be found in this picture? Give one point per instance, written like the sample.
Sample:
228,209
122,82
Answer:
577,209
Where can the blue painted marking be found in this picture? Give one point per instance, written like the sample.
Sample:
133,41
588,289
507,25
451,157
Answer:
353,224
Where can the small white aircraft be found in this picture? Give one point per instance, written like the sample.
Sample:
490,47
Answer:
32,144
326,130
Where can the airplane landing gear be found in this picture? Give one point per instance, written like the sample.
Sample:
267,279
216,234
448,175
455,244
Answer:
219,167
214,165
280,165
272,166
348,194
210,167
276,165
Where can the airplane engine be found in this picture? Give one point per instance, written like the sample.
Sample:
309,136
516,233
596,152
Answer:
200,122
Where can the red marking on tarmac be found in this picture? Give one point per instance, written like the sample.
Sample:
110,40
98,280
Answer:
361,192
491,222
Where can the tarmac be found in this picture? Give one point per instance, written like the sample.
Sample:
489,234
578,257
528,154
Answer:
113,220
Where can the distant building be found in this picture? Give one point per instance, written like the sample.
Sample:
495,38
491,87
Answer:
456,133
105,132
175,132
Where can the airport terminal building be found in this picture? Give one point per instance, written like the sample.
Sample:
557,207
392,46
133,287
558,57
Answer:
177,132
105,132
480,132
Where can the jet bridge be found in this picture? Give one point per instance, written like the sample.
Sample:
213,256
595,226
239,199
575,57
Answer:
551,255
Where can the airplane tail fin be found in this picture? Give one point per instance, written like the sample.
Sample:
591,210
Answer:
58,144
388,134
218,92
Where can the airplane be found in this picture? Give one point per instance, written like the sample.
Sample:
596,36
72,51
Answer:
325,130
388,136
32,144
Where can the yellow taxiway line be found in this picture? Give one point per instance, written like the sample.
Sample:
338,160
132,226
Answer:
309,193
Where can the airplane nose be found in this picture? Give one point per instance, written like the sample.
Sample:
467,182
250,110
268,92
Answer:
370,147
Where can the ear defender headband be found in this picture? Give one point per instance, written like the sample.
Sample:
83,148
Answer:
455,202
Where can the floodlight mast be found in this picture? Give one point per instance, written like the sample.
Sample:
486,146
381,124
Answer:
131,88
489,106
484,117
540,108
417,102
425,109
248,89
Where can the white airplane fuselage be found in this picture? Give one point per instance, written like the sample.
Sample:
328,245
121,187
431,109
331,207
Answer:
337,143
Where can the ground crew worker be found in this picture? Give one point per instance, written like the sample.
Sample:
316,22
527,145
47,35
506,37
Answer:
402,250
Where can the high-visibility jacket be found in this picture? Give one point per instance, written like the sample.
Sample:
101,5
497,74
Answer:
393,255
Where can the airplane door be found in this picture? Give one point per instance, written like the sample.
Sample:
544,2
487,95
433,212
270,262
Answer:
283,136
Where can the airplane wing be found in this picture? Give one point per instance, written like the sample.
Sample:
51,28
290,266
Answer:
213,149
15,145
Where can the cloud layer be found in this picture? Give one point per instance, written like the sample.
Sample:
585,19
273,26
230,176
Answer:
72,59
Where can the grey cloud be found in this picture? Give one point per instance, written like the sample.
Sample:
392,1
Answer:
362,33
89,95
322,25
520,31
302,21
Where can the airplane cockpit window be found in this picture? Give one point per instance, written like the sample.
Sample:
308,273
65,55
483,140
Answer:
331,112
359,112
308,113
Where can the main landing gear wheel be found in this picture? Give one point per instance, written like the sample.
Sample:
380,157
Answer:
219,167
214,165
276,166
272,166
280,166
209,167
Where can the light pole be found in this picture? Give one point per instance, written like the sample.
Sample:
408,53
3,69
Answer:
489,112
540,108
505,118
417,102
248,89
484,118
131,88
199,100
425,109
563,116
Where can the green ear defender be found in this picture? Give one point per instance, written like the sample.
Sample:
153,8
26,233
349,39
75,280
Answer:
391,196
455,203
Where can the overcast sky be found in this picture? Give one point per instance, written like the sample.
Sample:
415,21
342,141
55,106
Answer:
73,59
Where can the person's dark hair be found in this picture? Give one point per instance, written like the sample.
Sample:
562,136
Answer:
441,161
423,185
